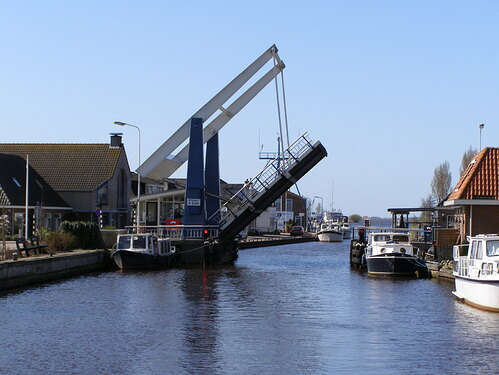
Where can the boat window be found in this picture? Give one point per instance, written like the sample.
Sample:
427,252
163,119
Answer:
493,248
139,242
382,237
479,250
124,242
473,249
400,238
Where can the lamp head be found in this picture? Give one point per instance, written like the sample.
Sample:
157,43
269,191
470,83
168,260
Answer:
119,123
481,126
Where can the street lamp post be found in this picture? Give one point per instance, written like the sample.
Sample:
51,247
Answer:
138,174
481,127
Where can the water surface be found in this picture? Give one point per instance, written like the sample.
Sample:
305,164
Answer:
294,309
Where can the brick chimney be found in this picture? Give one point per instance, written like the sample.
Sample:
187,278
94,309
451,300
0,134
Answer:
116,140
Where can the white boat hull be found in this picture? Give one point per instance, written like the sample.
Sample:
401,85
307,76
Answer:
483,294
330,236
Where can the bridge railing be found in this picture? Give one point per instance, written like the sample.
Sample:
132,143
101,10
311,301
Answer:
177,231
252,189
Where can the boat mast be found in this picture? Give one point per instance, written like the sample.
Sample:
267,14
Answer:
332,195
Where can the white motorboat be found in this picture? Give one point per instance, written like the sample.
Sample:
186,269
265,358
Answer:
330,233
347,231
476,272
142,251
392,254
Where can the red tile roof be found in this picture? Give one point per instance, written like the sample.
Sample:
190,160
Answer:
480,180
69,167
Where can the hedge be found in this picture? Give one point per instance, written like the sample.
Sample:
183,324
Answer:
87,234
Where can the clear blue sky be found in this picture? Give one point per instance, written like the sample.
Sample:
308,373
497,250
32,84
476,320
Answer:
391,88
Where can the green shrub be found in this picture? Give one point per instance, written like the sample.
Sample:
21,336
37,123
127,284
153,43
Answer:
87,234
43,233
60,241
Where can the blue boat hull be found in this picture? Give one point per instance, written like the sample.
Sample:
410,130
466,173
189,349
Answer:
130,260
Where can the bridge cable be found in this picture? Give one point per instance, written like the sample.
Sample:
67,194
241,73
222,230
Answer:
285,116
284,106
278,110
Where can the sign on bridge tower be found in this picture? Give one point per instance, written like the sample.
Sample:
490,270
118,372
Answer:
194,211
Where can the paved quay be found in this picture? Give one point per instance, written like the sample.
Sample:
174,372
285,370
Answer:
442,270
42,268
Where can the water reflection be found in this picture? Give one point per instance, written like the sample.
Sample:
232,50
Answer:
294,309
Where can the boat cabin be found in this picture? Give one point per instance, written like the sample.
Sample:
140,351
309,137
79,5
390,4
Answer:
144,243
381,243
479,259
329,227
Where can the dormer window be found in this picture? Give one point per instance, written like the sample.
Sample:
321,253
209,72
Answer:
16,182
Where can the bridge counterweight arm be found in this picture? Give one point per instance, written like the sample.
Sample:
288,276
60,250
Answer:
160,164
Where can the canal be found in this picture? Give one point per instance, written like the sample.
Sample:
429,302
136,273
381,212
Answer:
292,309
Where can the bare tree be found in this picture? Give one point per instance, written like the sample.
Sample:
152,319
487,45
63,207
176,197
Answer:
428,202
440,184
466,159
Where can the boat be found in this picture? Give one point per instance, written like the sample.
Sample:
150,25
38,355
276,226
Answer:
337,219
346,230
476,272
329,233
142,251
391,254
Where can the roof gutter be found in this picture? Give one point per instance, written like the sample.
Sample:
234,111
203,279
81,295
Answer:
470,202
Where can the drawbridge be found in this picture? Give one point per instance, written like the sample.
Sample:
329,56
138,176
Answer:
202,205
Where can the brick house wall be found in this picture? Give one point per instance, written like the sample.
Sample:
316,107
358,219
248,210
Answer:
484,219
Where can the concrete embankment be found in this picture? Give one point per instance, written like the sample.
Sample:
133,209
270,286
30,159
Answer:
442,270
272,240
33,270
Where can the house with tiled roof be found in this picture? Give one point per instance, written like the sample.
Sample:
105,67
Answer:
476,196
91,178
45,207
